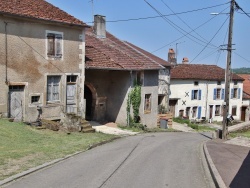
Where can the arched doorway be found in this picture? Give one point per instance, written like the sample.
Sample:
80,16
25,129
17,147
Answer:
90,97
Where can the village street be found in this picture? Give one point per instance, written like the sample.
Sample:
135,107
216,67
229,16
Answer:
147,160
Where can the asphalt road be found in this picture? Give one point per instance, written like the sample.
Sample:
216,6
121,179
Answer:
155,160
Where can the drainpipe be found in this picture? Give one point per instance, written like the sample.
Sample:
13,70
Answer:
6,53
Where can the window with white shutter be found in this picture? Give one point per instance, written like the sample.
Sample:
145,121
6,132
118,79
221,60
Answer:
53,88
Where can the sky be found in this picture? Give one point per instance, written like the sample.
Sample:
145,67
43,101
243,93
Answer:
186,26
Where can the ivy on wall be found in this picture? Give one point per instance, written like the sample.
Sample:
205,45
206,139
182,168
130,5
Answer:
134,100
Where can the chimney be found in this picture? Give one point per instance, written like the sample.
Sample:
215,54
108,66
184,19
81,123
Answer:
100,26
171,57
185,60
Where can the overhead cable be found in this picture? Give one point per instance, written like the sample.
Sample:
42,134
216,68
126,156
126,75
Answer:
210,40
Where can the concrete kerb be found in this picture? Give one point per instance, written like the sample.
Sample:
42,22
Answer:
48,164
213,170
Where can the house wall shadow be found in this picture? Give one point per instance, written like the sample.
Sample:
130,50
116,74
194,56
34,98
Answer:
242,178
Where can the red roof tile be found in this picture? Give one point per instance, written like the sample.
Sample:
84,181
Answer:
37,9
112,53
200,72
246,85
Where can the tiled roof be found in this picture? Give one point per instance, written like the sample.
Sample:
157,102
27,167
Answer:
112,53
246,85
200,72
37,9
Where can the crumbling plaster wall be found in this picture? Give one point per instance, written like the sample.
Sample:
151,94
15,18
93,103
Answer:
27,62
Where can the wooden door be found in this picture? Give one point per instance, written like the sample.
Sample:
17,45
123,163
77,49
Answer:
243,113
16,94
71,98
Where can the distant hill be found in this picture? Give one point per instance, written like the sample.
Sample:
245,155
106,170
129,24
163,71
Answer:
242,70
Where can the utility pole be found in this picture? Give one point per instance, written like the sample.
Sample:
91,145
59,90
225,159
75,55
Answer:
228,72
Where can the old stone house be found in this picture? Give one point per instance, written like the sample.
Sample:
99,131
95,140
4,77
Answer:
198,91
112,68
41,61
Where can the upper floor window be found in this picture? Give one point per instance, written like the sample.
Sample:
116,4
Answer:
219,93
235,82
235,93
196,95
139,78
54,44
218,82
53,88
196,83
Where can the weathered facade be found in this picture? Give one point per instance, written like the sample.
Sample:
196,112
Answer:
41,61
112,68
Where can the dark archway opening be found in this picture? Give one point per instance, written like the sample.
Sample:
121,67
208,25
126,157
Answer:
89,99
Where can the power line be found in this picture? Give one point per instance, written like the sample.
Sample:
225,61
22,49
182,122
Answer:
166,15
182,20
188,33
182,31
210,40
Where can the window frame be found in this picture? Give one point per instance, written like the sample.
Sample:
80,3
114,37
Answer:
217,110
57,44
53,86
234,110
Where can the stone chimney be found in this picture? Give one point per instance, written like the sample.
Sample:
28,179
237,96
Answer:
171,57
100,26
185,60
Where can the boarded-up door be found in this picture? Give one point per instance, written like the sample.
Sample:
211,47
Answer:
16,94
71,98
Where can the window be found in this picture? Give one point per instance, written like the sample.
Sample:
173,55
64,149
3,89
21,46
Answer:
234,110
54,44
53,88
196,83
218,82
35,99
235,82
219,94
235,93
217,110
196,95
181,113
139,78
71,79
147,103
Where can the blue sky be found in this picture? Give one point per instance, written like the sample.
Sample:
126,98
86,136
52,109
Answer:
157,35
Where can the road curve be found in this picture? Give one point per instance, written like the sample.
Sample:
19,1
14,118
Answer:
148,161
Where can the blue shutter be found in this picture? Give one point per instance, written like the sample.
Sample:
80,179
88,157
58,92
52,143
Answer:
239,93
199,112
232,93
192,96
199,94
223,94
215,93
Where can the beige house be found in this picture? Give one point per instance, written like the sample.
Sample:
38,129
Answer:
41,61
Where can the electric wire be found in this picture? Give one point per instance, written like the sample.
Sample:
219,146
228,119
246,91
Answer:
166,15
182,31
210,40
184,21
187,33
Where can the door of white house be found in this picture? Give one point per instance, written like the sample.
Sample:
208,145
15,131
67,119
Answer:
16,94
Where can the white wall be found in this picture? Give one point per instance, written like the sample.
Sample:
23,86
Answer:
182,90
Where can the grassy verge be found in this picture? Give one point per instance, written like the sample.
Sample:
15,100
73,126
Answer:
146,130
197,127
244,133
23,147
